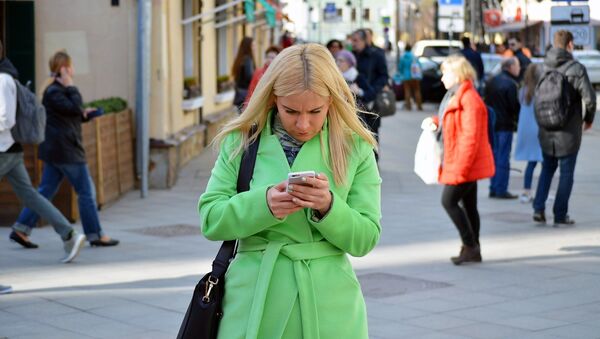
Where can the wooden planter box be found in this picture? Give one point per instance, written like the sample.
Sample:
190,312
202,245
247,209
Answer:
108,143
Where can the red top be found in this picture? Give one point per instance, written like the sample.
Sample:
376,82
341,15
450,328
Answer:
255,78
467,152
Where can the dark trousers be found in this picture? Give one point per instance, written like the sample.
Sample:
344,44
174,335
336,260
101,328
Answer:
465,217
412,89
529,174
502,147
565,184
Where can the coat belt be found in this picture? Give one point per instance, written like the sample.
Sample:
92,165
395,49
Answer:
298,253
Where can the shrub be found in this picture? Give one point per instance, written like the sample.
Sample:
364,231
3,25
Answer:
109,105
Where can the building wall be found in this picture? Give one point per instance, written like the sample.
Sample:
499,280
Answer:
98,37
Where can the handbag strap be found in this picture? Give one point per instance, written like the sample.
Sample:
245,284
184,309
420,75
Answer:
227,250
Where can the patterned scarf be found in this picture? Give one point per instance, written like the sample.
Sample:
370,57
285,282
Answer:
291,147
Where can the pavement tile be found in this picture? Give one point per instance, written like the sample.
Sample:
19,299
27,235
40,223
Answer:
40,310
391,312
488,331
436,305
578,331
438,321
529,322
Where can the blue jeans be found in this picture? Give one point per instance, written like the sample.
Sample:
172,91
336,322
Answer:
502,147
13,167
565,184
79,176
529,174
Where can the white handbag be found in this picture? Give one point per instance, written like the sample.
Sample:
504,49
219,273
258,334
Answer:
428,157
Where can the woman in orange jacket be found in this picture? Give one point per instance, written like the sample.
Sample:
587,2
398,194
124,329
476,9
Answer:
467,156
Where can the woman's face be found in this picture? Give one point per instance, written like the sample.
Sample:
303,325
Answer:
269,57
303,115
342,64
449,78
334,48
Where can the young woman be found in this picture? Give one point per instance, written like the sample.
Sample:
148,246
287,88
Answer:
243,69
468,157
291,277
528,144
63,153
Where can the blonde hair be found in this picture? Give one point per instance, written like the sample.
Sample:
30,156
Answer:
59,60
296,69
460,66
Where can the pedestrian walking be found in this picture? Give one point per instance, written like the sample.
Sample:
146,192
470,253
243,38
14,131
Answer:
528,144
13,167
370,63
270,54
519,51
291,277
412,72
63,154
474,59
501,94
242,70
467,155
560,145
359,86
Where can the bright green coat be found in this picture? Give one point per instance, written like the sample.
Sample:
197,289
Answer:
291,278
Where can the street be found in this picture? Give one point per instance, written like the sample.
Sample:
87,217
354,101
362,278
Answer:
534,282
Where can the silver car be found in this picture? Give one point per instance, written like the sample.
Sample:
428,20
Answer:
591,60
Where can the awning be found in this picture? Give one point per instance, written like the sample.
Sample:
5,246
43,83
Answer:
210,13
511,27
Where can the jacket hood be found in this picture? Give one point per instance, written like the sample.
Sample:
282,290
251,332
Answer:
7,67
556,57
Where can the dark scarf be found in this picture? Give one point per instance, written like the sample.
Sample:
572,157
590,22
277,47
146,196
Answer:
291,147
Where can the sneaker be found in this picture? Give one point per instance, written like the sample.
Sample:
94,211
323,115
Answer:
504,196
5,289
73,246
567,221
525,198
540,217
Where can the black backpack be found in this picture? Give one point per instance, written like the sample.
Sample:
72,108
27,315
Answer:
554,98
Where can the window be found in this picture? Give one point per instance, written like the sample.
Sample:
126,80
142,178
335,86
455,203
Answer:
366,14
353,15
192,57
223,62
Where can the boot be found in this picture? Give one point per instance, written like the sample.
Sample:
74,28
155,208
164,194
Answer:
467,255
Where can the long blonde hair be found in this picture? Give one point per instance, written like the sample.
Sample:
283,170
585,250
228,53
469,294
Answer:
59,60
297,69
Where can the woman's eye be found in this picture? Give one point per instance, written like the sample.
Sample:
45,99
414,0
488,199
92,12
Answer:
290,112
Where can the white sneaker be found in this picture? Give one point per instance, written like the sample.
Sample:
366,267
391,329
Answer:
73,246
525,198
5,289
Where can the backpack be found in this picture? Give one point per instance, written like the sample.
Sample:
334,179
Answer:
553,98
416,72
30,124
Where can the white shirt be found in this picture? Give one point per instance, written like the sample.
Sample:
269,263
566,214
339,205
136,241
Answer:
8,110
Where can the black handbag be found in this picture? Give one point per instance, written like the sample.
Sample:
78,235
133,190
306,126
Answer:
201,320
385,102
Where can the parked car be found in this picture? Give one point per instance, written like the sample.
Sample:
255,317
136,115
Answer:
432,88
490,63
591,60
436,50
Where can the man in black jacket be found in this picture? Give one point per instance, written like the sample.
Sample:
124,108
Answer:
371,64
502,96
561,147
474,58
516,46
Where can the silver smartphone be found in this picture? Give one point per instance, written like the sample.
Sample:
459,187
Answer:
296,177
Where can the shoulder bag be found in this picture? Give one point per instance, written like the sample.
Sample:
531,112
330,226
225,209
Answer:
201,321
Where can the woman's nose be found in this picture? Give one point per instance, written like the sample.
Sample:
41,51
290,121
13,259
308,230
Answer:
303,121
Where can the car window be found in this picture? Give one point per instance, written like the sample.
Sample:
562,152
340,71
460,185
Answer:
439,51
427,63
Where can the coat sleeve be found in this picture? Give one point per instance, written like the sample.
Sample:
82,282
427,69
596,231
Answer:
471,121
67,102
588,95
8,104
513,102
368,94
353,224
380,76
225,214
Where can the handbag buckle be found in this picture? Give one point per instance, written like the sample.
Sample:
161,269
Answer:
212,281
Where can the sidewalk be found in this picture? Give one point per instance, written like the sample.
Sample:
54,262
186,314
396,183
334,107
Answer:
535,282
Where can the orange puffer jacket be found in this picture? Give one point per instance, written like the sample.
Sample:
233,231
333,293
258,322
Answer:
467,152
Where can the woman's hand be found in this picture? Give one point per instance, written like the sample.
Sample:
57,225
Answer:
280,201
315,194
88,110
65,77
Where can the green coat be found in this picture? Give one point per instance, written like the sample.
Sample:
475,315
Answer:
291,278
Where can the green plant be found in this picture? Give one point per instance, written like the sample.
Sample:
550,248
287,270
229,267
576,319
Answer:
189,82
109,105
222,79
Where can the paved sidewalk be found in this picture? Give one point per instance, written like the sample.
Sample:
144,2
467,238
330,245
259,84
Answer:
535,282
